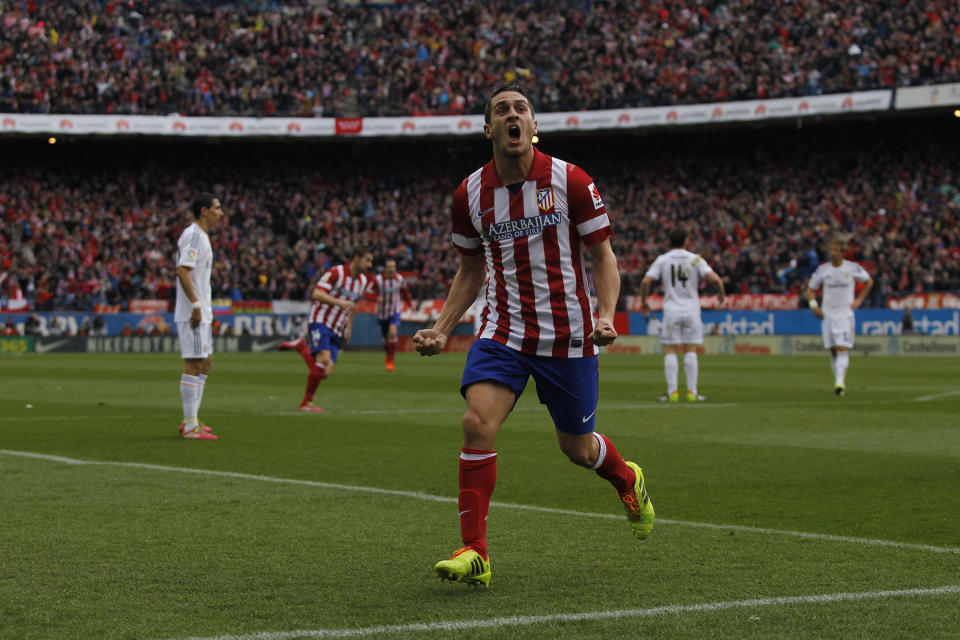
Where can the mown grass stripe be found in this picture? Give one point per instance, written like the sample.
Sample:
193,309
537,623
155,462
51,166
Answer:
589,616
418,495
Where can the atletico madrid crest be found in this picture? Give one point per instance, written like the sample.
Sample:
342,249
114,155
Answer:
545,198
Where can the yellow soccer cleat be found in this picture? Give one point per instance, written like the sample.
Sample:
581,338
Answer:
639,508
695,397
465,565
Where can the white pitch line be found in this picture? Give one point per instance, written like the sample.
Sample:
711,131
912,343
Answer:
937,395
418,495
588,616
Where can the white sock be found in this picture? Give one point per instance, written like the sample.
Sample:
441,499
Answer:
602,454
690,370
833,365
203,382
671,368
189,390
843,361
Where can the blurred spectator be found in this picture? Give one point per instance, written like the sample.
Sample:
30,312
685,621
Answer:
9,328
307,59
906,324
758,211
31,327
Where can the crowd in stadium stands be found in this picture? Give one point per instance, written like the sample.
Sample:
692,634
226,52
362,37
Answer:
333,59
75,230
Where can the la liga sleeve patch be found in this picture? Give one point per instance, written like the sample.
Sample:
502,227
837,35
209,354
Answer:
595,196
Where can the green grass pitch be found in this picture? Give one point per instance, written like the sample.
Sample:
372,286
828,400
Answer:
783,511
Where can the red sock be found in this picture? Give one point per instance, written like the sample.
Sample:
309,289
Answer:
391,350
611,467
306,355
317,373
478,477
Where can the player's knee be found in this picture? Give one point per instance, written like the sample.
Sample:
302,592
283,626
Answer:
578,455
472,422
478,432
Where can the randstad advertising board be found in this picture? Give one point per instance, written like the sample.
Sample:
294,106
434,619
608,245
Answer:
799,345
870,322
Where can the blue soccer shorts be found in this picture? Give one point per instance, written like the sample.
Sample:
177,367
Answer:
386,322
568,386
322,338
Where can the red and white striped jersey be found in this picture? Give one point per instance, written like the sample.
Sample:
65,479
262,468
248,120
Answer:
338,282
532,235
391,294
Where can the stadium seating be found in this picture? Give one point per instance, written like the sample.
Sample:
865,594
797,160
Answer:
97,222
378,59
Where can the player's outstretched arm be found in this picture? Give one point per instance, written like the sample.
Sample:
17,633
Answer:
183,275
812,303
718,283
321,295
606,281
464,290
863,294
645,285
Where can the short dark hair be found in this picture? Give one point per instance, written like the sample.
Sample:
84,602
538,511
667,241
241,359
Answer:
678,235
202,201
359,251
513,86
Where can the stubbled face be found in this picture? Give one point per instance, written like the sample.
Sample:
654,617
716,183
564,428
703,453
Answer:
213,214
512,126
363,263
390,268
836,252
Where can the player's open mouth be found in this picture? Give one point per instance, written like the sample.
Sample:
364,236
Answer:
513,132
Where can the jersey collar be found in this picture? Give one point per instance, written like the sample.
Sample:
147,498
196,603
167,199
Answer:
540,168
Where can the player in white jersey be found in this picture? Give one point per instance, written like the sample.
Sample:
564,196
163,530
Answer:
194,311
681,271
838,280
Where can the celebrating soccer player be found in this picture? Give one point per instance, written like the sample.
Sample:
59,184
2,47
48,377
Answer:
528,216
391,293
331,320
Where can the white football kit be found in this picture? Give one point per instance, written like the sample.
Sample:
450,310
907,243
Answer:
838,284
194,251
680,271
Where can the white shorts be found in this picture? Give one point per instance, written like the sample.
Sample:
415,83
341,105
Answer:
195,343
838,331
681,329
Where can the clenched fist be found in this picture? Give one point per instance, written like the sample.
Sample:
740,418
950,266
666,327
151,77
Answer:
429,342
